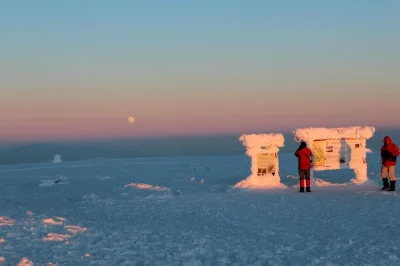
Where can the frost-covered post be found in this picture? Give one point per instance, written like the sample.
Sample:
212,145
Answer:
263,150
338,148
57,158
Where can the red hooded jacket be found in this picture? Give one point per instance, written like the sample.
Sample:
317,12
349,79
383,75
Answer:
389,152
304,155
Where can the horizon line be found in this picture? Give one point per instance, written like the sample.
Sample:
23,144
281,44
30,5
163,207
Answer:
167,136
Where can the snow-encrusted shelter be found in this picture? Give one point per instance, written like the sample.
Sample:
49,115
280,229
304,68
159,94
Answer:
338,148
263,150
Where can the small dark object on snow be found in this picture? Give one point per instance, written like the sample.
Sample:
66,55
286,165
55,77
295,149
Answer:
57,181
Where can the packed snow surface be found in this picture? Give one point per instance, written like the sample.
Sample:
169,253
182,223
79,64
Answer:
185,211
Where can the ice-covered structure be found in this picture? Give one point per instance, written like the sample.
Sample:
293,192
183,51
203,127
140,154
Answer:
57,159
338,148
263,150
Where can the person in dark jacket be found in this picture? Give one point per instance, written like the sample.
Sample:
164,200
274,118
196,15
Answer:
389,154
304,154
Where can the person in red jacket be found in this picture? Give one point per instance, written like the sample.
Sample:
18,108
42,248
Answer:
304,154
389,154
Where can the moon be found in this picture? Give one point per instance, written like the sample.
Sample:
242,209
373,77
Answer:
131,119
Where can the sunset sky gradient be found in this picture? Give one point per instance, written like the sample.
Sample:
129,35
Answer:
79,69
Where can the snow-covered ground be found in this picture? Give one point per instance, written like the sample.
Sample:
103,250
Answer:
183,211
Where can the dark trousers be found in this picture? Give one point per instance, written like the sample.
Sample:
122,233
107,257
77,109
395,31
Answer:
304,174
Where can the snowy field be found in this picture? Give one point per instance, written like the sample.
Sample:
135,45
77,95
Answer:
183,211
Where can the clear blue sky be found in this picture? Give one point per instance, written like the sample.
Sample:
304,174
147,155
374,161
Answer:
80,68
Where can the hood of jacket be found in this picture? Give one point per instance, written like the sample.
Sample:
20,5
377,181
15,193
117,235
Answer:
388,140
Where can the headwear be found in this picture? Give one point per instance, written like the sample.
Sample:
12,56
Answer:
387,139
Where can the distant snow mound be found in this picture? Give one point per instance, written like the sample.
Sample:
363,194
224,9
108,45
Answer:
147,187
75,229
57,159
55,237
320,133
25,262
61,180
105,178
6,221
55,221
322,183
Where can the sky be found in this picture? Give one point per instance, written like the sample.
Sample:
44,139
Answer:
78,69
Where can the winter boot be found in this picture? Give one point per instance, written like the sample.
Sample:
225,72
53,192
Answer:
392,185
385,184
301,185
308,185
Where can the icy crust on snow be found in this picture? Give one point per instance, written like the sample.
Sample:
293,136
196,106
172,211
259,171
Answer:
356,132
254,143
37,232
206,224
